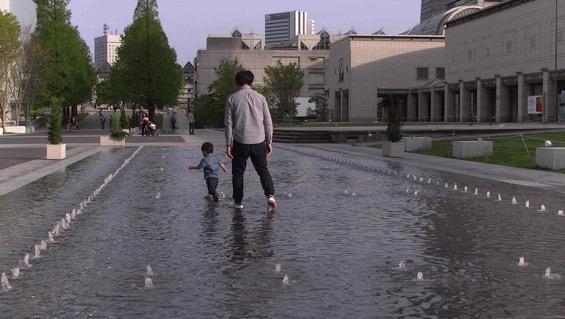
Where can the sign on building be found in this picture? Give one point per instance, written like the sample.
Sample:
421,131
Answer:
535,104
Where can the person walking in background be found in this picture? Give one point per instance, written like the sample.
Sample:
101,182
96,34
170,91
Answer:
191,122
102,120
249,134
173,121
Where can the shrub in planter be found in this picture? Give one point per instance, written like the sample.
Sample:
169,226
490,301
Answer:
124,121
55,122
116,131
393,131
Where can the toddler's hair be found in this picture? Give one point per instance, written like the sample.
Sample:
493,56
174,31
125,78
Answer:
208,148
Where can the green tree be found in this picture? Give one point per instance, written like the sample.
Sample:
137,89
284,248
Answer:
209,109
284,83
67,72
9,54
146,8
321,100
146,72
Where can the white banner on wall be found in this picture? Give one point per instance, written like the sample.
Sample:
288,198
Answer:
535,104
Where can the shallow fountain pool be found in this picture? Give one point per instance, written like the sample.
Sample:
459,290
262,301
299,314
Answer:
332,251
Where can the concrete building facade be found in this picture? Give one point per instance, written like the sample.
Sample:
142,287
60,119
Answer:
506,63
106,49
281,28
368,74
247,49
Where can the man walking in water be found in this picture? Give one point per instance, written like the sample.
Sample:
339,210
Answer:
249,134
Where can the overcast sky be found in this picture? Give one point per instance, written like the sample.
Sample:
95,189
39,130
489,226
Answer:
188,22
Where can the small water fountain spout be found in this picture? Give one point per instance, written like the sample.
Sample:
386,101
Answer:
488,194
514,201
278,268
560,213
5,283
521,261
476,192
420,276
548,272
25,261
465,189
543,208
286,280
149,271
402,266
15,272
527,204
148,282
36,251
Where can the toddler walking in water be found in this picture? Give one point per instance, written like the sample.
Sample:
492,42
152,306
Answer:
211,166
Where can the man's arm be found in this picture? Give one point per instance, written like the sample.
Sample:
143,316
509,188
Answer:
228,127
268,124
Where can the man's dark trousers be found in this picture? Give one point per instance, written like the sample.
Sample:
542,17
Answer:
258,155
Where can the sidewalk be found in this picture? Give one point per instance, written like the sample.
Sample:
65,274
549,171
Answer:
30,170
512,175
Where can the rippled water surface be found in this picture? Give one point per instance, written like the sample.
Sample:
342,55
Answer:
341,231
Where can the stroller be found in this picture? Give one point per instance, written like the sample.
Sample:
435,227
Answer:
152,129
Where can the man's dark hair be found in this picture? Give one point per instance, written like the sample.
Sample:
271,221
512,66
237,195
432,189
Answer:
208,148
244,77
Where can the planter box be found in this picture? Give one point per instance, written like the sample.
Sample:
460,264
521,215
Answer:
56,152
1,131
16,129
470,149
414,144
550,157
107,141
393,149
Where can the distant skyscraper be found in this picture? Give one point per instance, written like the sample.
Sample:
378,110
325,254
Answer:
283,27
106,49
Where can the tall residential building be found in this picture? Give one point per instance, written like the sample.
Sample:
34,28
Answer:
106,49
24,10
282,27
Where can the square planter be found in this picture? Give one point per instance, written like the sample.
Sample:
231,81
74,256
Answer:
470,149
56,152
107,141
393,149
550,157
414,144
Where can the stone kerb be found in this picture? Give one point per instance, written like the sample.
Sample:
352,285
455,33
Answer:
16,129
550,157
470,149
414,144
108,141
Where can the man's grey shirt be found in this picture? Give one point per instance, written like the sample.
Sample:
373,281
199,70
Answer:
247,119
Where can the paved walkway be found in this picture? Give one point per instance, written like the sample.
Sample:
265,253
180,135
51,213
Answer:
431,127
517,176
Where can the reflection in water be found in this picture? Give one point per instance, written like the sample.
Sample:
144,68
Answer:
340,252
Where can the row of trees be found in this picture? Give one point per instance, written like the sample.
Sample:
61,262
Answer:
281,87
146,73
49,68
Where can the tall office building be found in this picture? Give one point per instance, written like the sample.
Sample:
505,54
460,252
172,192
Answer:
106,49
282,27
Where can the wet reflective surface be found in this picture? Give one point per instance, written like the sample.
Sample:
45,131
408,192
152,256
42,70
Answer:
341,231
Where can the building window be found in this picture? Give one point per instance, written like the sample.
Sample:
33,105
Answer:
341,73
508,46
440,73
423,74
470,55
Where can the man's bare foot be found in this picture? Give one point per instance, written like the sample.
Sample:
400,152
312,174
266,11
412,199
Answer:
271,204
